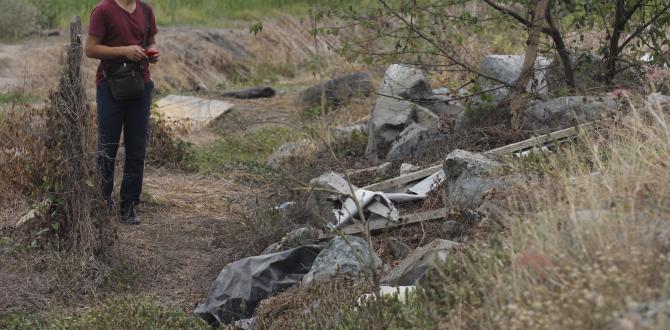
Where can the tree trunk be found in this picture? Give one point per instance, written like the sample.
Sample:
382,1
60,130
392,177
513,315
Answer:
562,50
516,99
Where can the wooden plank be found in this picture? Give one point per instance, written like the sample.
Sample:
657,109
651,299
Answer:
401,180
536,141
404,220
508,149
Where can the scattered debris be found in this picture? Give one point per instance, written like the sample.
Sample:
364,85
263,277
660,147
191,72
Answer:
325,195
383,224
400,292
373,171
348,255
242,285
252,93
194,111
337,92
413,268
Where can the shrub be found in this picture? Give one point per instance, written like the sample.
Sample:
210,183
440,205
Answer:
17,18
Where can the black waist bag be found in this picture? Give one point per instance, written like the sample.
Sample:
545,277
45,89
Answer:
125,79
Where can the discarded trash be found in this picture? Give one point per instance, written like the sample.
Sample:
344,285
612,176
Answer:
252,93
243,284
197,111
401,292
284,206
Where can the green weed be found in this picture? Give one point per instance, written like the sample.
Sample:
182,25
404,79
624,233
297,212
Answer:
246,150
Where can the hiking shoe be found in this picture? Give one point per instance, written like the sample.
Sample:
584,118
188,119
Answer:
129,215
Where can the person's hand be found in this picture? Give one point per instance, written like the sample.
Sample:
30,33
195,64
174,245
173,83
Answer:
134,53
153,54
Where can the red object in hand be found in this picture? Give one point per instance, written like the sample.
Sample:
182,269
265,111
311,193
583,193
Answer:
151,53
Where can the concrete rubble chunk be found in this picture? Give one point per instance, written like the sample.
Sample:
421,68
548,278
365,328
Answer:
389,118
286,152
418,263
414,141
405,82
194,111
338,91
406,168
468,176
324,198
349,255
564,112
349,132
397,248
507,68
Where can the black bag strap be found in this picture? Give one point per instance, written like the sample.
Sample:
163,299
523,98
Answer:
147,28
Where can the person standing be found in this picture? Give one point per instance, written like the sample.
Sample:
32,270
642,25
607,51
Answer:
122,35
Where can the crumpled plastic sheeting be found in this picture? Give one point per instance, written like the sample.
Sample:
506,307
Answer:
243,284
382,204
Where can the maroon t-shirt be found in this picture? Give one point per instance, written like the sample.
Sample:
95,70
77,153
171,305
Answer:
117,27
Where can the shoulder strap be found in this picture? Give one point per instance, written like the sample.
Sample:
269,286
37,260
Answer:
145,11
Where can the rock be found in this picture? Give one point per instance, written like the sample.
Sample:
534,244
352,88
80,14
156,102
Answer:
194,111
340,256
564,112
349,132
442,107
414,141
441,91
286,152
469,175
397,248
655,315
252,93
418,263
319,202
246,324
408,168
405,82
507,68
243,284
658,99
389,118
338,91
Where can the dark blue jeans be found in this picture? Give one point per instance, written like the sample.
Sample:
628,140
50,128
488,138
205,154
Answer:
131,117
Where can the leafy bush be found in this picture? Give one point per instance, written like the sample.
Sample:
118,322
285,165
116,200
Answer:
17,18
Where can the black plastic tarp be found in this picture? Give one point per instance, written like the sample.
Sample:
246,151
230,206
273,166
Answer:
243,284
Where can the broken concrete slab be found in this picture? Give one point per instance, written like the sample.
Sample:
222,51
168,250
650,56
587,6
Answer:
252,93
348,255
414,141
565,112
418,263
193,111
337,92
243,284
